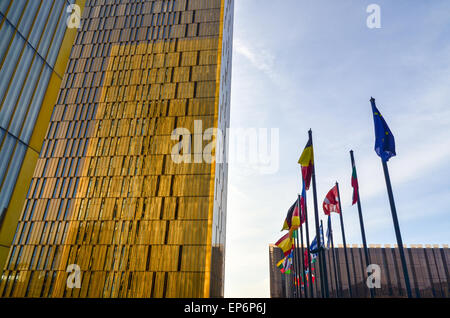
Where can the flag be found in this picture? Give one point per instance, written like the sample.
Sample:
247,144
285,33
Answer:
292,221
329,232
306,258
313,278
307,161
286,243
384,140
322,240
297,280
313,249
280,263
307,278
355,186
285,264
302,279
287,270
303,203
313,259
331,202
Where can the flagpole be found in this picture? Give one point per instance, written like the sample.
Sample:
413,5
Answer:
323,275
305,290
343,240
327,254
308,252
295,266
299,264
385,148
337,272
338,266
301,269
334,260
397,228
321,272
325,264
361,221
293,287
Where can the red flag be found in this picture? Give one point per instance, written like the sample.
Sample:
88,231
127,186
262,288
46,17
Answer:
331,202
307,173
302,208
307,161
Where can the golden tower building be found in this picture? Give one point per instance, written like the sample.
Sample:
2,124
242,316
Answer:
35,45
107,194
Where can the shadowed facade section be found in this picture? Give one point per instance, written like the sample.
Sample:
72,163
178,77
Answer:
428,267
106,194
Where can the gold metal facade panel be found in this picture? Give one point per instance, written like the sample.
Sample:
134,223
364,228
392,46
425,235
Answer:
106,194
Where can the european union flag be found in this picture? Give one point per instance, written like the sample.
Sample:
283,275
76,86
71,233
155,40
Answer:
384,140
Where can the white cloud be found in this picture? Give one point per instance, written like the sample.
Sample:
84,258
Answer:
259,58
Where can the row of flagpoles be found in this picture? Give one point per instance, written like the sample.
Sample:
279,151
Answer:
297,220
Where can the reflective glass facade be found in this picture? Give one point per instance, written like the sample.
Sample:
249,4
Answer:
428,269
106,194
32,34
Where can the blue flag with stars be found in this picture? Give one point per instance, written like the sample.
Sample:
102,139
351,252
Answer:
384,140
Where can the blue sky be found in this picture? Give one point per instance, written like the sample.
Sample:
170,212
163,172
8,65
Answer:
301,64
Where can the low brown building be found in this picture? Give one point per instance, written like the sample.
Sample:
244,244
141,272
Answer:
427,266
